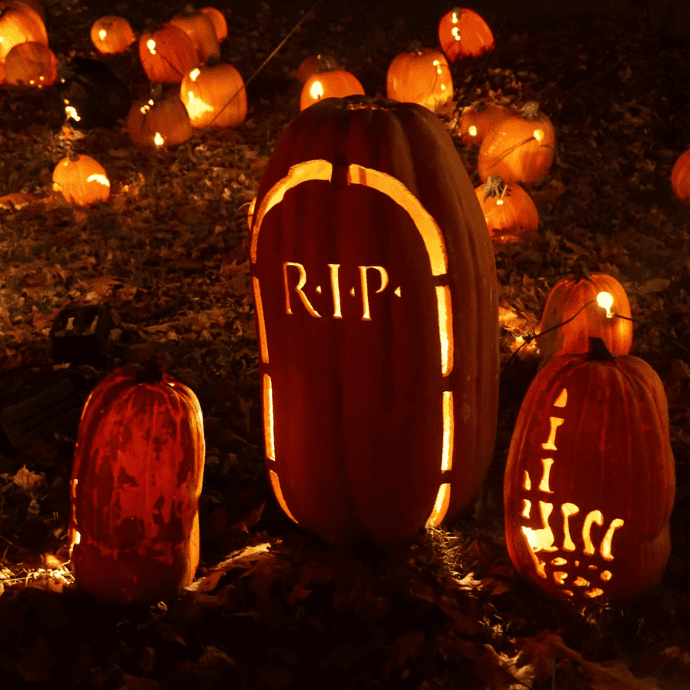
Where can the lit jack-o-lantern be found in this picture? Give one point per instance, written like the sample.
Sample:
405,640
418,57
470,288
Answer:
578,308
330,82
375,292
420,76
81,180
680,176
112,34
477,120
136,481
159,121
31,65
590,481
463,33
19,23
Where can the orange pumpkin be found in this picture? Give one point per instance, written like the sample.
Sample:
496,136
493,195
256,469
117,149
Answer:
312,64
36,7
573,303
167,54
509,211
214,96
31,64
478,119
520,149
589,481
81,180
463,33
199,27
18,24
136,481
329,83
159,121
220,25
680,176
420,76
112,34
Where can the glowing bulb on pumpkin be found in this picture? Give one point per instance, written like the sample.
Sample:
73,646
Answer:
605,301
151,45
316,90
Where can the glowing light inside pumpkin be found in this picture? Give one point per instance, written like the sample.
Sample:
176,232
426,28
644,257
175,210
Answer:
440,506
316,90
194,74
445,328
197,107
448,427
151,45
499,202
605,301
102,33
260,318
158,140
100,179
71,112
275,483
472,131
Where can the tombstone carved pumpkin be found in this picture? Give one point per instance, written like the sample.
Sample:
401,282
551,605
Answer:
376,303
590,481
136,481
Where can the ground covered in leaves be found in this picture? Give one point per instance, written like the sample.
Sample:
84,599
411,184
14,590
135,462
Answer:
273,607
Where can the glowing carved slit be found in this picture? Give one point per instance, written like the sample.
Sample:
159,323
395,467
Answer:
594,592
527,484
551,442
605,548
269,438
568,509
366,315
598,518
448,436
526,507
275,484
544,483
335,285
445,328
440,506
562,399
559,577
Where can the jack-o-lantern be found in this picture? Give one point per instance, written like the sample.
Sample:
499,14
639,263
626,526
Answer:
478,119
375,290
159,120
19,23
167,54
136,481
590,481
220,24
112,34
330,82
81,180
31,64
520,149
577,308
199,27
214,96
509,211
463,33
420,76
680,176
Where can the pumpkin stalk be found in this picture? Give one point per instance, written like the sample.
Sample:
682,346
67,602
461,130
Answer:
598,351
495,186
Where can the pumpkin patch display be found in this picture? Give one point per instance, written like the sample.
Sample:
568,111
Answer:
112,34
329,83
509,211
19,23
167,54
420,76
578,308
520,149
478,119
590,479
680,176
31,65
214,96
159,120
376,297
136,481
199,27
464,33
81,180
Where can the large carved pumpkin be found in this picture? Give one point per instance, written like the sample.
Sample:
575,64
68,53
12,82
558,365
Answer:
590,482
376,302
135,488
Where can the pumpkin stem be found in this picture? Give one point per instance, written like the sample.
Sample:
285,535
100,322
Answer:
327,63
530,110
152,370
495,186
156,92
598,351
479,106
416,47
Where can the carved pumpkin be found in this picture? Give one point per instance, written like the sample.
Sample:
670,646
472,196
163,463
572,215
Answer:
313,64
31,64
19,23
478,120
463,33
135,488
167,54
420,76
375,291
199,27
112,34
590,482
576,298
159,120
329,83
81,180
214,96
509,211
680,176
220,25
520,149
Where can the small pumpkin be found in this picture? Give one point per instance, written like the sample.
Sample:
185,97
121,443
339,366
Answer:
329,83
199,27
135,486
167,54
159,120
590,481
214,96
478,119
91,94
572,302
520,149
19,23
312,64
81,180
509,211
31,64
112,34
420,76
680,177
220,24
464,33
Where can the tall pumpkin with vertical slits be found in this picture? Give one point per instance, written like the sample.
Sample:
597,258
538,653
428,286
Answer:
376,302
590,482
135,488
